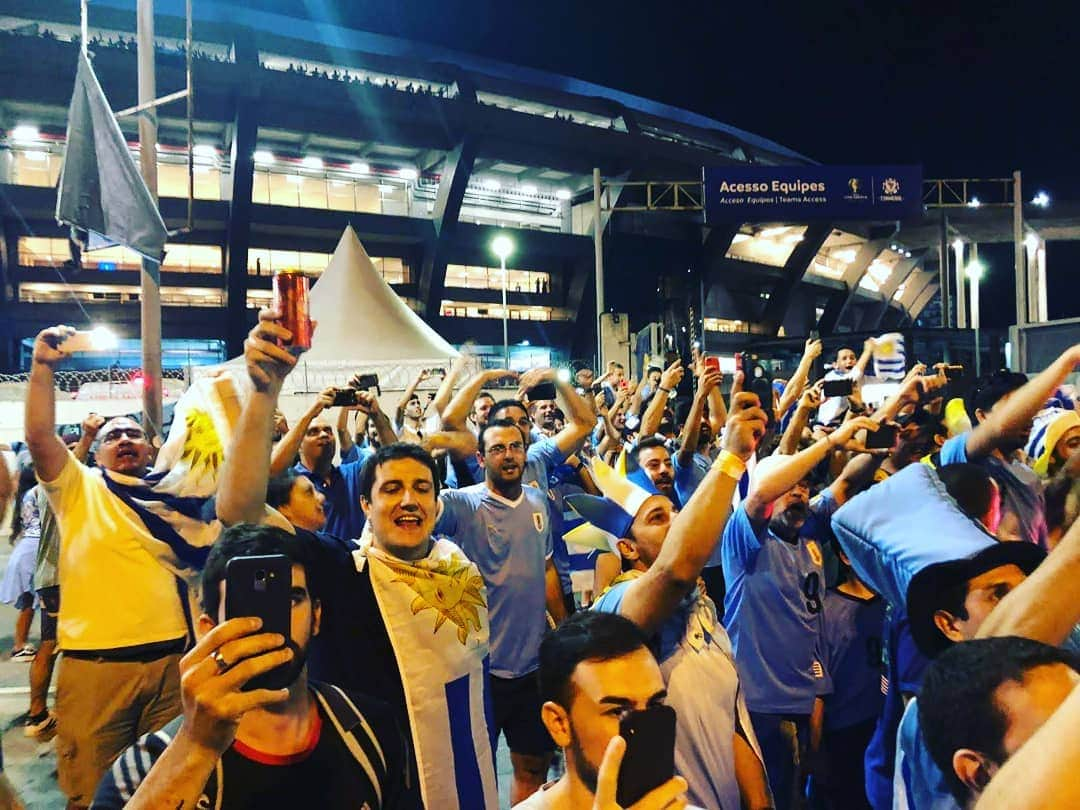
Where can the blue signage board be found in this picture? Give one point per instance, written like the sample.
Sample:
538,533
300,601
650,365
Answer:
798,193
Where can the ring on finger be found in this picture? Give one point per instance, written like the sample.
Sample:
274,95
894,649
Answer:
219,659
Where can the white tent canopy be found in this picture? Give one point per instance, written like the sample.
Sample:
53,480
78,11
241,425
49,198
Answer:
363,326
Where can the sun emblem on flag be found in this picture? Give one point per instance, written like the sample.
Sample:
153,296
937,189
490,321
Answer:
451,588
202,452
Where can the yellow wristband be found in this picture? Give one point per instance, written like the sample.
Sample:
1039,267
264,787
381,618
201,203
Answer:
730,465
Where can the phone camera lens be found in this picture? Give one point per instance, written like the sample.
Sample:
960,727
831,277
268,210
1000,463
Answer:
260,575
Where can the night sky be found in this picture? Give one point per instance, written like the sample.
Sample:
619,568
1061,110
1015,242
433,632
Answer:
967,89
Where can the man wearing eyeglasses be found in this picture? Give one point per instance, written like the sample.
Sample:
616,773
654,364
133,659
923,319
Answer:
503,528
121,626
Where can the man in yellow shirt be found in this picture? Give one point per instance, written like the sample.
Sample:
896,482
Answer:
122,625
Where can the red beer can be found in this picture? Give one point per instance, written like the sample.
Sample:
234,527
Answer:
291,300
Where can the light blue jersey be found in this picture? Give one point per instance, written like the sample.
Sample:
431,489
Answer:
917,781
510,542
541,460
773,612
703,687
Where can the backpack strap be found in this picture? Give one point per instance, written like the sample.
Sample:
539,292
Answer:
355,732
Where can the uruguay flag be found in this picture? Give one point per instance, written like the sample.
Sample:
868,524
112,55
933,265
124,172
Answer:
890,360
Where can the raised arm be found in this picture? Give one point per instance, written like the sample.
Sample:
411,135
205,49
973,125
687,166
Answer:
285,450
784,476
580,419
455,414
717,411
446,387
399,415
344,435
47,451
1046,606
1016,412
241,495
1042,774
654,414
691,431
794,388
809,402
90,427
864,358
697,528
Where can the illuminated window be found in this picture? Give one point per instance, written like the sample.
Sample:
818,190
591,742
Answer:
47,293
37,251
265,262
490,278
33,167
173,181
725,325
342,193
465,309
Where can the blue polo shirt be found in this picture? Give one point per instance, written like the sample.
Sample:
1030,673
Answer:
344,517
773,612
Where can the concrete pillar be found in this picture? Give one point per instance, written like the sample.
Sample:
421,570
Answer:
1036,277
961,285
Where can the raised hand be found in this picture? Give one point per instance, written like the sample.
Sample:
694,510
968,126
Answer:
212,676
48,345
672,376
669,796
745,425
92,424
268,364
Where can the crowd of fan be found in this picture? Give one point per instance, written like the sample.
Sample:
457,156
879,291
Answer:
825,619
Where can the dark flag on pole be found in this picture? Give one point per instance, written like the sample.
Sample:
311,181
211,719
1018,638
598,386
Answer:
102,195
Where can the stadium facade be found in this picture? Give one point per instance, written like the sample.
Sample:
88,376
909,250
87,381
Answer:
302,128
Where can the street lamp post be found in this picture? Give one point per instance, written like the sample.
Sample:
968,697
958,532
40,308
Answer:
502,246
974,273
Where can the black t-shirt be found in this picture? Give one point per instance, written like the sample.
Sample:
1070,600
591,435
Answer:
324,774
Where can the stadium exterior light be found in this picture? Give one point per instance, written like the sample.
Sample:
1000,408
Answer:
974,202
412,175
491,184
359,168
312,162
25,133
530,189
563,194
502,246
1042,199
264,157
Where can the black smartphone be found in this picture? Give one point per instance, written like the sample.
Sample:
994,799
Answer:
541,391
814,334
954,372
262,586
365,382
649,760
759,381
881,439
344,397
837,388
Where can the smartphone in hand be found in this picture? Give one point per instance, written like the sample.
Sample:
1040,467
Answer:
262,586
838,388
541,392
881,439
712,365
649,760
344,397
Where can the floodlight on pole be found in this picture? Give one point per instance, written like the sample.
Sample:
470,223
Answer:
502,246
1042,199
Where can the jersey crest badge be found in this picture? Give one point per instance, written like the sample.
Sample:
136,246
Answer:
815,551
538,521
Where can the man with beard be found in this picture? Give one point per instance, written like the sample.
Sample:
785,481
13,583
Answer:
307,743
505,529
1002,409
662,553
405,616
775,587
121,622
313,436
593,668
